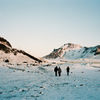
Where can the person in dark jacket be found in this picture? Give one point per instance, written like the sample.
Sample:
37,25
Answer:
56,70
59,71
67,70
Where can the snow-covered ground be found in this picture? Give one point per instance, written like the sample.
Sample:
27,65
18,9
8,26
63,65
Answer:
40,83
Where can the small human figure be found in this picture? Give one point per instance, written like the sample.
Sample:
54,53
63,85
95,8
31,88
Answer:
59,71
68,69
55,70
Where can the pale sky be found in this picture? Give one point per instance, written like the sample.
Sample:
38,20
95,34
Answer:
39,26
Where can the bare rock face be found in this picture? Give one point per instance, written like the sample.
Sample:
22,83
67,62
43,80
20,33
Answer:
55,54
5,48
97,50
4,42
5,45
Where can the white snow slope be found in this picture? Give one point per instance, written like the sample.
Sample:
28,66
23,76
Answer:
13,59
72,51
40,83
76,51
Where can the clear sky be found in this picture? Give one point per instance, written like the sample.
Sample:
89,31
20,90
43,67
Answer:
39,26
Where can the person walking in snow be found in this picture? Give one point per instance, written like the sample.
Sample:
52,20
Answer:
56,70
59,71
67,70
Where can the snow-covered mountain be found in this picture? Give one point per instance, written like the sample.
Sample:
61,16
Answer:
7,53
75,51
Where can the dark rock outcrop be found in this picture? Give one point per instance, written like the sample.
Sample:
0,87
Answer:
5,42
5,48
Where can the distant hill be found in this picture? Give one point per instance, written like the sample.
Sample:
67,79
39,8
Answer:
7,52
74,51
